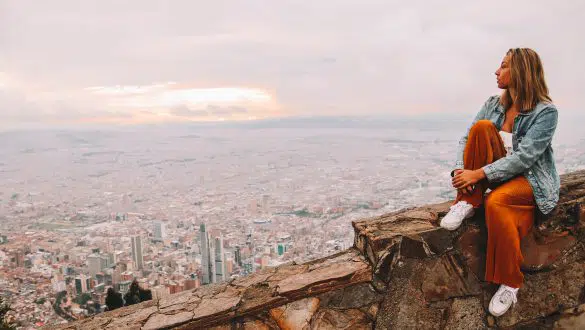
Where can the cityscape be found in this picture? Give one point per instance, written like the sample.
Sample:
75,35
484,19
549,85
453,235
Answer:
173,208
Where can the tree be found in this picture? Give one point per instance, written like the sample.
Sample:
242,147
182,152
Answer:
144,294
82,299
4,309
114,299
136,294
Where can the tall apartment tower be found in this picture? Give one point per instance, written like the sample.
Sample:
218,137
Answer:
238,256
136,245
207,257
159,231
220,268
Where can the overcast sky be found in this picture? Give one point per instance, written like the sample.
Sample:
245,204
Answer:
144,60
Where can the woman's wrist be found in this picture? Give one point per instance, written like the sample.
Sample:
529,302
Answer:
479,174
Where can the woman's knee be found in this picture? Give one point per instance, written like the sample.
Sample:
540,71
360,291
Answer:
482,125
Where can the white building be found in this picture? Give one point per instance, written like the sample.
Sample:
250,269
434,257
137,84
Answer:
95,264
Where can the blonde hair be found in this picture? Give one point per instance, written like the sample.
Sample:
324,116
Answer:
526,79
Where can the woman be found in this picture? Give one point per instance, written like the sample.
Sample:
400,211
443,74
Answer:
508,150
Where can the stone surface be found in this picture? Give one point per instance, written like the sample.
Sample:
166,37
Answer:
373,311
330,319
404,306
166,303
158,321
466,313
472,246
540,254
573,318
546,293
215,305
357,296
447,277
296,315
335,274
491,321
255,325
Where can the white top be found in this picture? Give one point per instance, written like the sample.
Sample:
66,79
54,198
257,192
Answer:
507,138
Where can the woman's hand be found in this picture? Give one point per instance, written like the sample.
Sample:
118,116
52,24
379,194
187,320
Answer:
466,178
467,190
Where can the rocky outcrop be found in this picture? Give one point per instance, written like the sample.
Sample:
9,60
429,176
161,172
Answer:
287,297
432,278
403,272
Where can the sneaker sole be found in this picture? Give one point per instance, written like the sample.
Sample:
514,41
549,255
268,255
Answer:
496,314
451,228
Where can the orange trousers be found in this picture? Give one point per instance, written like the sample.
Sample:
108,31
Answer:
509,207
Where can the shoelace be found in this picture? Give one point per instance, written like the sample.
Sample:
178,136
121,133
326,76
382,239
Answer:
458,209
507,296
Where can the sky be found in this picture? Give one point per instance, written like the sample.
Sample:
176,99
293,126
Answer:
140,61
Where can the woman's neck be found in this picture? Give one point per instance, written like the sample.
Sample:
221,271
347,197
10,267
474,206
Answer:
513,106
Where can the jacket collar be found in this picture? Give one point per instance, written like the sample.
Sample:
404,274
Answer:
541,105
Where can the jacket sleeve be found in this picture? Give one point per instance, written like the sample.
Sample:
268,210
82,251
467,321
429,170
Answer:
537,139
463,141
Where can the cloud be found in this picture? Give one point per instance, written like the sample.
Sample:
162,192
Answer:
322,57
185,111
226,110
210,110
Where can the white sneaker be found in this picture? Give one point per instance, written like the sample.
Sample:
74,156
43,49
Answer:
457,213
504,298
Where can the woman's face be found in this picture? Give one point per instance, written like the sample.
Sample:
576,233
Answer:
503,73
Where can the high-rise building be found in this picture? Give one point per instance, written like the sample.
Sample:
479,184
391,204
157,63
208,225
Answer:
229,266
95,264
18,258
253,207
248,266
265,202
251,247
281,249
136,245
81,284
112,259
238,256
207,264
159,231
220,271
125,287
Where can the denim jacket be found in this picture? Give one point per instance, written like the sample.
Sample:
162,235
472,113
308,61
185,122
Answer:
533,154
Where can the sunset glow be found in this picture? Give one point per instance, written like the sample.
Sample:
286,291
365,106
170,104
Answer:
171,101
161,95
